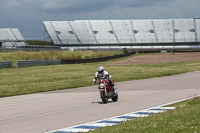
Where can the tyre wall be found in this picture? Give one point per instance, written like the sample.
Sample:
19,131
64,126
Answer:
27,63
5,64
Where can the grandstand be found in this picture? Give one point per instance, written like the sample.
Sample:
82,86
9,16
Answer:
11,38
146,33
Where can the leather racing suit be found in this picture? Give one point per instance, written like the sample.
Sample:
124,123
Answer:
104,74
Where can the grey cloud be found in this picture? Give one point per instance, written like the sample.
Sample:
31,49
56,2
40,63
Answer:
71,6
139,3
27,15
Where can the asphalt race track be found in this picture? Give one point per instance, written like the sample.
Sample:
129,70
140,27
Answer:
38,113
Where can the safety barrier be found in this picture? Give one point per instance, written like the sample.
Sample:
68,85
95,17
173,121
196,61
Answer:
27,63
76,61
5,64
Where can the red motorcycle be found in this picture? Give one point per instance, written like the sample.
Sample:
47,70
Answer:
106,91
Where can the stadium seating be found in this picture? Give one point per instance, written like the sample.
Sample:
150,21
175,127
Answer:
126,32
11,37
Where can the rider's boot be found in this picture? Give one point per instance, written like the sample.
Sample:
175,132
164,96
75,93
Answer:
113,88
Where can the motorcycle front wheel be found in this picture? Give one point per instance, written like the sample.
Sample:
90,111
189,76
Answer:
103,97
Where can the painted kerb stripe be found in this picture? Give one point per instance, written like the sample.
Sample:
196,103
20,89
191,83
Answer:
118,119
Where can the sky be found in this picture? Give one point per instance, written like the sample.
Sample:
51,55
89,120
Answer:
28,15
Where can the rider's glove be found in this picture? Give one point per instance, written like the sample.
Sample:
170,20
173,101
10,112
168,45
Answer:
94,81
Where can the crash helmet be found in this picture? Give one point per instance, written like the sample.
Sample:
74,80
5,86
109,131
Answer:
100,69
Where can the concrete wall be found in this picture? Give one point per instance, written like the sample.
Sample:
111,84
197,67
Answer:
27,63
5,64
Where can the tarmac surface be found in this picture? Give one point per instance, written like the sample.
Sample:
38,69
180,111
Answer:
38,113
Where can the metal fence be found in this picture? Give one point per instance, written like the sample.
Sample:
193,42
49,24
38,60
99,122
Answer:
33,49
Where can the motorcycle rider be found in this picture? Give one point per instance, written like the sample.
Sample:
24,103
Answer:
101,73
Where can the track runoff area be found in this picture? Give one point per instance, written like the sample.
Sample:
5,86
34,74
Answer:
118,119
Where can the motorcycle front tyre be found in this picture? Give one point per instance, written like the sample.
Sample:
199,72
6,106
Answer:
103,97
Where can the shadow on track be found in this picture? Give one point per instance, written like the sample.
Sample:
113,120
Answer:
103,103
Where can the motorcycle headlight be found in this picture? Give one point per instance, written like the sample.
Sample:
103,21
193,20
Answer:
101,85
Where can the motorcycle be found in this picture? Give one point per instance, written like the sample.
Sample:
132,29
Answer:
106,91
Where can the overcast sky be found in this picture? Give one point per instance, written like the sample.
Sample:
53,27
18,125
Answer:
27,15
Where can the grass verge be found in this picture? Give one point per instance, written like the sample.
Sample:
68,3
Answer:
39,42
18,81
184,119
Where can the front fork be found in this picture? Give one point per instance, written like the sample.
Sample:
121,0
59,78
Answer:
105,91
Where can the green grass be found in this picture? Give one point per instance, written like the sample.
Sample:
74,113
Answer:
17,81
38,42
52,55
184,119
